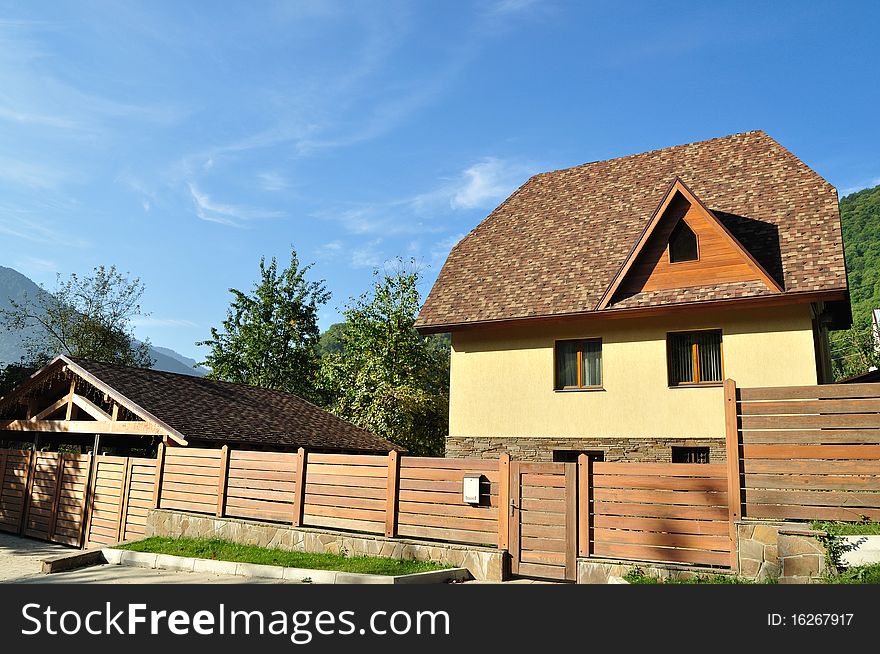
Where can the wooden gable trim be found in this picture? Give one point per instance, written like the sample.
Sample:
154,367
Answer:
103,423
678,186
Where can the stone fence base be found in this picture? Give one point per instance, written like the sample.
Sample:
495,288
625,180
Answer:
484,563
789,552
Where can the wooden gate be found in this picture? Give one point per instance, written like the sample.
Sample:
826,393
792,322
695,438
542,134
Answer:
14,469
543,520
121,494
56,497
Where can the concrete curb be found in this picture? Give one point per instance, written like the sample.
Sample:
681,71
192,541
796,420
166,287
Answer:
72,561
209,566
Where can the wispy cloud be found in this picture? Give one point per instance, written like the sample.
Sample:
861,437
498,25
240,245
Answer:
28,263
149,321
33,175
16,223
440,250
272,181
226,214
329,250
368,255
486,183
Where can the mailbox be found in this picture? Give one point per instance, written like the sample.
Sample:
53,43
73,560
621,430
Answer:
471,489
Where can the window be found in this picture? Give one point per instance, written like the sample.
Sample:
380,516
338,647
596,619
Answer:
579,364
571,456
690,455
694,357
683,244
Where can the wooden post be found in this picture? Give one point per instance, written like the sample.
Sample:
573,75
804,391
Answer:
585,483
221,482
299,495
734,497
59,474
123,501
504,501
391,494
157,484
571,526
85,514
69,414
28,489
4,457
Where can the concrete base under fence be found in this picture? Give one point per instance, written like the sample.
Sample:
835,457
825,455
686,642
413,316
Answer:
484,563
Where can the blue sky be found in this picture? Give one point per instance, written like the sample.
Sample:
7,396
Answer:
183,140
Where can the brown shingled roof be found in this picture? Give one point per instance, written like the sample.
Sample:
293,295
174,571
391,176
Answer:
207,410
556,244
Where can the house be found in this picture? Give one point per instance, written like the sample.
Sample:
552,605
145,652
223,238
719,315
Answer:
600,308
102,406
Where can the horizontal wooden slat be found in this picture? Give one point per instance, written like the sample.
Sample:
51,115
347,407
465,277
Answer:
542,531
714,470
346,491
813,498
346,524
341,512
448,535
810,392
452,523
269,476
814,482
551,481
814,436
796,407
661,510
650,553
797,512
666,525
544,544
191,453
466,465
540,518
541,571
260,494
312,477
659,483
643,496
550,506
542,493
831,467
441,486
284,465
849,452
348,459
658,539
435,498
833,421
460,511
546,558
370,504
445,474
347,471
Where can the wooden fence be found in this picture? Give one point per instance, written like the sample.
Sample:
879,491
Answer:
121,494
660,512
807,452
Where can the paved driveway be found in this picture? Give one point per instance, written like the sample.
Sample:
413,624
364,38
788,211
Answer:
20,562
20,557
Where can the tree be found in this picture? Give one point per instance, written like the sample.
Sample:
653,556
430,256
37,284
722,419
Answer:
270,337
388,378
88,316
854,350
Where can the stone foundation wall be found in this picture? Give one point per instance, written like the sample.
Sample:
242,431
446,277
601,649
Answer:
538,448
484,563
788,552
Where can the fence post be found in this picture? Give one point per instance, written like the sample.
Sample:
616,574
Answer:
160,467
391,494
28,490
585,483
221,480
123,501
734,499
56,498
504,501
299,495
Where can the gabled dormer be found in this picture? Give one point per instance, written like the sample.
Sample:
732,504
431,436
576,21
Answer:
684,245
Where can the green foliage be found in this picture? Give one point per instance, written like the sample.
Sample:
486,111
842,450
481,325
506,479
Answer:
330,341
638,576
386,378
858,574
270,337
12,375
853,350
88,316
223,550
849,528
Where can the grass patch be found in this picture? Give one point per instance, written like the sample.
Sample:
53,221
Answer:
849,528
223,550
638,576
857,574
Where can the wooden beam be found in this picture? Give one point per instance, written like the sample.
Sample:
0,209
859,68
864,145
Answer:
571,522
585,481
299,495
70,399
115,415
504,501
221,480
52,408
56,497
123,500
157,482
734,498
91,408
391,494
122,427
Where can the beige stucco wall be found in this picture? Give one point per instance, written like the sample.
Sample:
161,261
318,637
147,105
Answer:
502,379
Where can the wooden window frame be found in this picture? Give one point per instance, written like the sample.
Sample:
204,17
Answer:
669,245
695,354
580,365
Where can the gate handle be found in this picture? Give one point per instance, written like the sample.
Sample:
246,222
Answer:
513,506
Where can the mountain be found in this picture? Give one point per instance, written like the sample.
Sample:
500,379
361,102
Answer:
860,220
15,286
